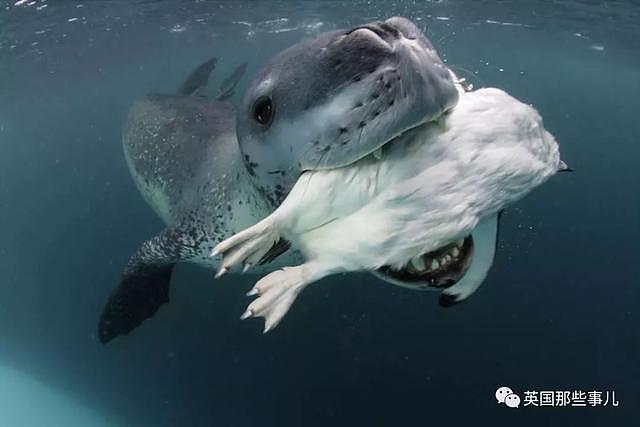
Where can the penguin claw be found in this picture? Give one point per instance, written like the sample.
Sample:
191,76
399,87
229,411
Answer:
221,272
248,246
276,292
267,327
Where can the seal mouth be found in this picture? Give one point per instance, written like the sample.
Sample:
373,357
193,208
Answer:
377,152
440,268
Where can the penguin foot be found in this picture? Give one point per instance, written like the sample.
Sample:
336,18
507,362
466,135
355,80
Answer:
276,292
247,247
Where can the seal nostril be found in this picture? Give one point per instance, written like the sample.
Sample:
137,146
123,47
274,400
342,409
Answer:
383,30
390,30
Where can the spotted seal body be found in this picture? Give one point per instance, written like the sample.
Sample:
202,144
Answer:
183,154
184,157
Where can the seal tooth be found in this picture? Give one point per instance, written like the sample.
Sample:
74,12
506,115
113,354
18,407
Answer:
455,252
435,264
418,263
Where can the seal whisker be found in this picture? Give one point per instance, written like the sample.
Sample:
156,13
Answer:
469,74
316,166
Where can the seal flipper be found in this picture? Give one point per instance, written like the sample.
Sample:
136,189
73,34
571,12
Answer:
198,79
227,87
141,292
485,238
144,285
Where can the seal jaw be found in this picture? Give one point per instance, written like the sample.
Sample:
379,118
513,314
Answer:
440,268
463,274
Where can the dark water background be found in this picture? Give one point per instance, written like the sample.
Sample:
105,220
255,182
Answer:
559,311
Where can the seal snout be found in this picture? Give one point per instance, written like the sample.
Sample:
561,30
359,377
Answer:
383,30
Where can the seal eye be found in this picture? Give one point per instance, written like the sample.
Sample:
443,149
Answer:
263,110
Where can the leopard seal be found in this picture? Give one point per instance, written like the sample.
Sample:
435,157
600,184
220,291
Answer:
209,169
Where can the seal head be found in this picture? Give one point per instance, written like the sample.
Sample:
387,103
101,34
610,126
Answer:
329,101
